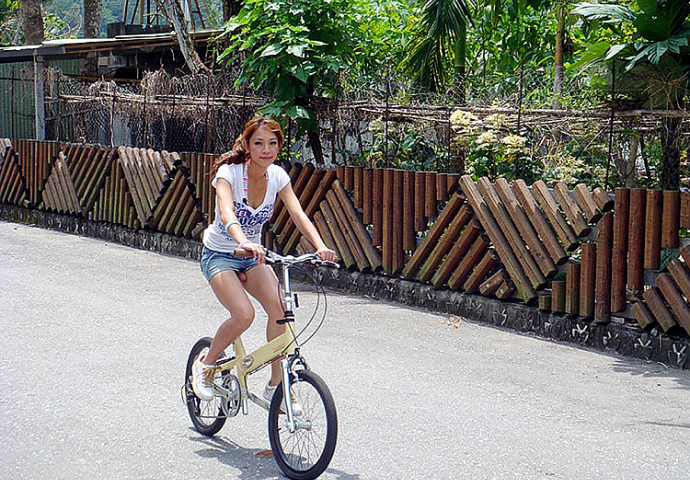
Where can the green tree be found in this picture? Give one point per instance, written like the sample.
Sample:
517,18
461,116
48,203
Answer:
296,50
657,53
440,35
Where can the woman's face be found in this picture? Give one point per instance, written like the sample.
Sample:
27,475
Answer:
263,147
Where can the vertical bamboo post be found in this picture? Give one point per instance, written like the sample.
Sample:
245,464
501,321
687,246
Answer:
588,279
349,183
602,293
652,235
684,210
558,296
430,195
620,249
409,240
636,240
387,239
358,187
367,195
544,302
377,206
419,201
572,288
397,201
671,219
442,187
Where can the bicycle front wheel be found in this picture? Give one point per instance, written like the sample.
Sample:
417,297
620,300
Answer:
305,453
208,417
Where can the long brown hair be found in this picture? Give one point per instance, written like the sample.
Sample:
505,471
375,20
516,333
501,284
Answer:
238,155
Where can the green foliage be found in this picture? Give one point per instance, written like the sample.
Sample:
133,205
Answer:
667,256
439,37
7,7
660,29
408,146
293,49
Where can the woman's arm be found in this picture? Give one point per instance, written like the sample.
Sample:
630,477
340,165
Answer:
287,195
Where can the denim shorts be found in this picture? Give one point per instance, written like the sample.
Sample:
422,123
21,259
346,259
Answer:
212,263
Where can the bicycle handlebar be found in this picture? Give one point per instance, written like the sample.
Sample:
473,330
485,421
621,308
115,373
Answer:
275,258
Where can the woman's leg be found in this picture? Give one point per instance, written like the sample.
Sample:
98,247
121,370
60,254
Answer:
231,295
263,285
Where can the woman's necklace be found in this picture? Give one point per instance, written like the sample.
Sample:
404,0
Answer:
245,181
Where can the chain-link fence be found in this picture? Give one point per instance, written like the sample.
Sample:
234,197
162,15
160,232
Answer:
506,127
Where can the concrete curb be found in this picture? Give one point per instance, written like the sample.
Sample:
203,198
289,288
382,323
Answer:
623,338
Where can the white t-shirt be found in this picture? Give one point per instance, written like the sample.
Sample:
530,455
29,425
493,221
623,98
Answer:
251,219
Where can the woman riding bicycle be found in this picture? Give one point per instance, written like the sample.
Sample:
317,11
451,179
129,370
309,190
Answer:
247,184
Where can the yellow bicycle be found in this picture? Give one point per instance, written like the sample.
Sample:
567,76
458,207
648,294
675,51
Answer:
303,444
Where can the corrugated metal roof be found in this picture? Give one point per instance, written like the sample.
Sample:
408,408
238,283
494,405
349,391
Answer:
79,46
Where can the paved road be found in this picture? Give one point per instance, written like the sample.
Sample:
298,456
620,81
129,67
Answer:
94,339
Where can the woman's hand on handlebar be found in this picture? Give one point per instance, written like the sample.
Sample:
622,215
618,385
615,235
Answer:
255,250
327,254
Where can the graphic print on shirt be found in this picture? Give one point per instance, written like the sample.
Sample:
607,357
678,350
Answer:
251,222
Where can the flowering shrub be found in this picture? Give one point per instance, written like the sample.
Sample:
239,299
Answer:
493,151
563,166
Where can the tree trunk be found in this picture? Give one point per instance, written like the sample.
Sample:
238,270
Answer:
316,147
558,60
173,12
231,8
32,22
460,67
313,135
630,170
670,160
92,29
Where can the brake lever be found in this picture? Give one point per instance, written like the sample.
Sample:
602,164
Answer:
325,262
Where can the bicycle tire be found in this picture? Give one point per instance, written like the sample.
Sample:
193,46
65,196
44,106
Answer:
197,408
319,409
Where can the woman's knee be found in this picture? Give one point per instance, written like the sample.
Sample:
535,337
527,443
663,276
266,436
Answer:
243,317
274,308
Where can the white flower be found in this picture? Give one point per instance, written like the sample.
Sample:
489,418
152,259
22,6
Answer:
496,121
515,145
487,138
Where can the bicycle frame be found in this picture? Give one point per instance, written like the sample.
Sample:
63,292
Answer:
283,345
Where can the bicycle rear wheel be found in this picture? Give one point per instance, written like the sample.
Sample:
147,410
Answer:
208,417
305,453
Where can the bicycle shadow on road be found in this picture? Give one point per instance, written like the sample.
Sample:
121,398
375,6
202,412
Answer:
251,466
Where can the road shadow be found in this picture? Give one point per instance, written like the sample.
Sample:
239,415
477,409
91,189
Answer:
653,370
247,460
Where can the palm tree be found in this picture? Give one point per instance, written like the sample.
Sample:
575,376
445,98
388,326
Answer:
442,34
560,9
659,46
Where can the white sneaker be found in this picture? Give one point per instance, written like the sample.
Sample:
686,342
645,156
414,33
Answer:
202,381
268,396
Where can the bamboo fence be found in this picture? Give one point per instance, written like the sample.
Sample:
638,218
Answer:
589,254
